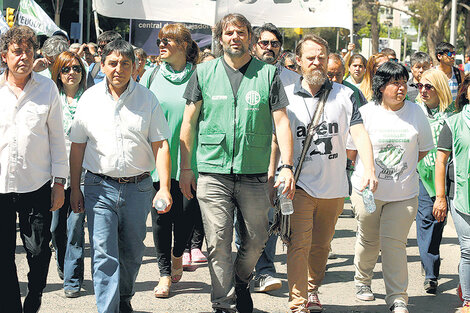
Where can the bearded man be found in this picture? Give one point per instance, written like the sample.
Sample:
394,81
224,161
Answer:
322,185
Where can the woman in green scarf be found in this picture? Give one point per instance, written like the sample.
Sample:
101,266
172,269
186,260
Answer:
436,101
172,230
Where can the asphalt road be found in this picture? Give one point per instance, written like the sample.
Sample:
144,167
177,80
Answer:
192,293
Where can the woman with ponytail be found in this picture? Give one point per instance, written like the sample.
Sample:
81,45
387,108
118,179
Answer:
172,230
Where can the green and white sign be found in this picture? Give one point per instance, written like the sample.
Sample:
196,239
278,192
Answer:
32,15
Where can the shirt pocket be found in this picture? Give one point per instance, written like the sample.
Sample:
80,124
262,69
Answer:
135,121
35,117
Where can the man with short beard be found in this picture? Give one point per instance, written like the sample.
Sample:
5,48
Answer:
266,47
322,184
233,102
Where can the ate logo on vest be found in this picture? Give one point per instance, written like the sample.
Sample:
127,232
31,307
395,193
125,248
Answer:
252,97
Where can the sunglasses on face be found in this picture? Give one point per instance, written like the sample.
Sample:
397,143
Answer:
164,41
75,68
426,86
393,60
291,67
450,53
265,43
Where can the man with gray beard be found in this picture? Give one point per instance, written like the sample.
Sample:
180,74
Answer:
322,184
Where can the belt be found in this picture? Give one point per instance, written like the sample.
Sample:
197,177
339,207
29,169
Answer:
124,180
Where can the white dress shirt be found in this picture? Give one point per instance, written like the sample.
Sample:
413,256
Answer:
118,133
32,144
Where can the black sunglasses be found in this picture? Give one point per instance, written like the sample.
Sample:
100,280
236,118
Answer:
426,86
75,68
164,41
265,43
291,67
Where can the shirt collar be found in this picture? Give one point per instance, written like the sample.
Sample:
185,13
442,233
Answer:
129,89
300,91
32,79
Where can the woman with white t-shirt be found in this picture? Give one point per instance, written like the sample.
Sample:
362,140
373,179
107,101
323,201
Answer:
401,137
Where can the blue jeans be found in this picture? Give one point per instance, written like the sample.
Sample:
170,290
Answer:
462,226
219,196
68,238
428,234
117,215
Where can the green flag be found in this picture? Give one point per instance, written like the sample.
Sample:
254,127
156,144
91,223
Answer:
32,15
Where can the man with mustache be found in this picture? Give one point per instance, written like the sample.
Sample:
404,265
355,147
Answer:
266,47
233,102
322,185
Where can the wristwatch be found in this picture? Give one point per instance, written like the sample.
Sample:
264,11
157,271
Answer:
59,180
291,167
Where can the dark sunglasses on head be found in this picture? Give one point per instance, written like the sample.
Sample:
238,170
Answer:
450,54
75,68
164,41
426,86
265,43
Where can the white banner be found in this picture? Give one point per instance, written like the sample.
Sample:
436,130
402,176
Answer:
32,15
3,24
282,13
291,13
188,11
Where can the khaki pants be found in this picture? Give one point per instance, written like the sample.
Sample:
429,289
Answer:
384,230
312,226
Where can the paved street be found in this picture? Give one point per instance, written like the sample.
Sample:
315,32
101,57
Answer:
192,293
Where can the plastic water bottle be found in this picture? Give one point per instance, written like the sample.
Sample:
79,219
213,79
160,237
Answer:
286,204
368,198
160,205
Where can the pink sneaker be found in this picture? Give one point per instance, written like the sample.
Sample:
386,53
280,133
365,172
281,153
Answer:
186,259
197,256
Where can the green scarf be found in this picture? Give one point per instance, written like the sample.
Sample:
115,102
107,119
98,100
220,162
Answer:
175,77
466,114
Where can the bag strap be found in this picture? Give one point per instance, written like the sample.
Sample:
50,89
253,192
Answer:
457,75
95,70
152,76
311,129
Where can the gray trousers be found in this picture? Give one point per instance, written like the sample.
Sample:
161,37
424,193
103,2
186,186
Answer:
219,196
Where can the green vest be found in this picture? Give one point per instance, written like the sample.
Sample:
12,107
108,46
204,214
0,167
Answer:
426,167
235,133
460,150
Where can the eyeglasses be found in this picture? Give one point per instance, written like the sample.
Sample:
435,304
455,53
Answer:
393,60
426,86
265,43
75,68
332,75
164,41
291,67
450,53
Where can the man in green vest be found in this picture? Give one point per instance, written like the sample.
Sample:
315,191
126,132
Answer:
232,104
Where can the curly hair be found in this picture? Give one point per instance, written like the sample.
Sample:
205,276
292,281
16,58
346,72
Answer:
18,35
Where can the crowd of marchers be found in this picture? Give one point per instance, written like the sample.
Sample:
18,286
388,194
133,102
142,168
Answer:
207,143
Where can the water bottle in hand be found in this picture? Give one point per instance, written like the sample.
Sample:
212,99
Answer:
368,198
160,205
286,204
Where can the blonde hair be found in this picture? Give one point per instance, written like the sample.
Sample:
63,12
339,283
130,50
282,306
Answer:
366,85
439,81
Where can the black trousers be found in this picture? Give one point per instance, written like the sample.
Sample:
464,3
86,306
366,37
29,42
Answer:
197,237
34,222
173,228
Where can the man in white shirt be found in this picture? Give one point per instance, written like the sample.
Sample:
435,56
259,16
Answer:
119,142
32,151
322,184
